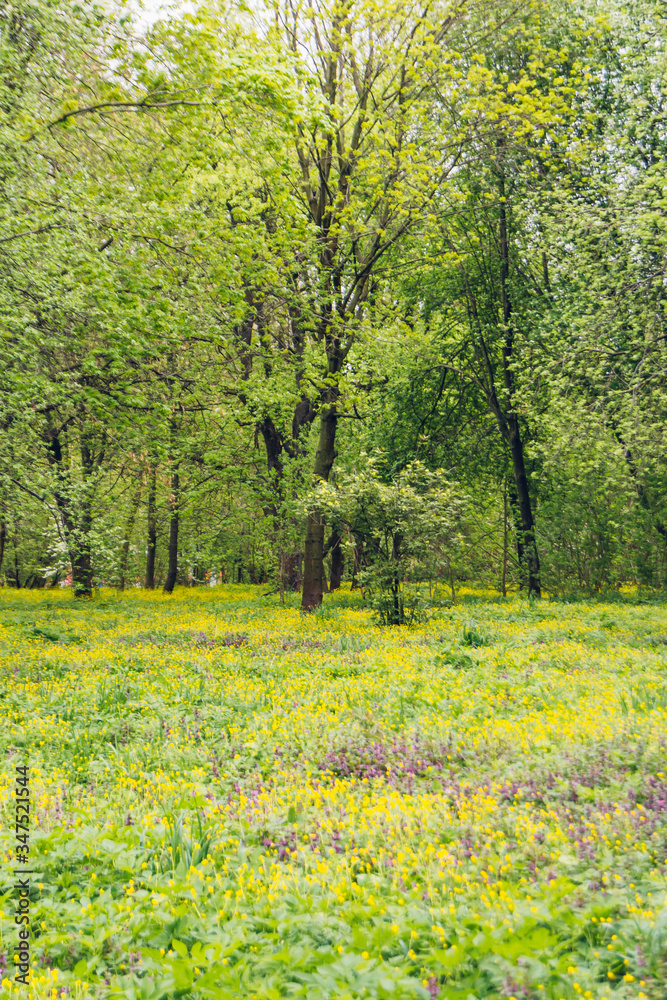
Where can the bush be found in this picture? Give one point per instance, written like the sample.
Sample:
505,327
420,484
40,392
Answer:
402,529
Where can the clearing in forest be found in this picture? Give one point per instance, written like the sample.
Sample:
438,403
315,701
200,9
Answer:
229,799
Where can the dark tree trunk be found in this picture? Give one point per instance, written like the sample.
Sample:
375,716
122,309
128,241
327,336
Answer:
336,561
529,561
82,573
313,569
509,427
505,539
17,574
129,525
398,614
149,581
274,450
82,563
172,571
3,539
290,562
277,444
311,596
357,557
77,515
292,571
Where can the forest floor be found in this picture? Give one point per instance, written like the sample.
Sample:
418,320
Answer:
231,800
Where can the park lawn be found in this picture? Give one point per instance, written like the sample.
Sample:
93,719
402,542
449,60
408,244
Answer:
232,800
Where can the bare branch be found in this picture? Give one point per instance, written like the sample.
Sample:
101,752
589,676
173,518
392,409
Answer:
31,232
144,104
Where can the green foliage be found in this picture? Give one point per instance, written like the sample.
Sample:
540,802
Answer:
191,278
405,528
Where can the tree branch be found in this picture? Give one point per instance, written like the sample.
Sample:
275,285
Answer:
92,108
31,232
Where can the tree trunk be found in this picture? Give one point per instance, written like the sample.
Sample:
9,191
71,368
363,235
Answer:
129,525
17,574
357,555
76,515
336,561
82,563
313,568
504,568
290,560
292,572
149,582
172,571
311,595
530,563
529,560
398,615
274,450
3,538
82,573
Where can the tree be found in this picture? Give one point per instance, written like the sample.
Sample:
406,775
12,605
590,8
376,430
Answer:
407,525
494,288
368,166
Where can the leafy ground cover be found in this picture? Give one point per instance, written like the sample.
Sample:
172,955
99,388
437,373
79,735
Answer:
232,800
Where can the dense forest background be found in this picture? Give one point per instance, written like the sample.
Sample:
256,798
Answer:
358,290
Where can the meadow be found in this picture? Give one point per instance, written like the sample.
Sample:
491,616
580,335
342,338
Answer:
230,799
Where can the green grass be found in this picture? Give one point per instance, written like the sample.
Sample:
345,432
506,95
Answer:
231,800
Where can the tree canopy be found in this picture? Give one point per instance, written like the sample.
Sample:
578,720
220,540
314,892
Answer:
304,292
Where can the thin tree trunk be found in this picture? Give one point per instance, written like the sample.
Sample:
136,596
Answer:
289,562
129,525
292,571
149,582
356,562
172,571
398,613
82,563
281,576
276,448
508,425
3,538
17,575
76,520
313,569
530,563
336,561
511,419
505,541
311,596
516,521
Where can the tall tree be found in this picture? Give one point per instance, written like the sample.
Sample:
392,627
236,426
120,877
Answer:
368,166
